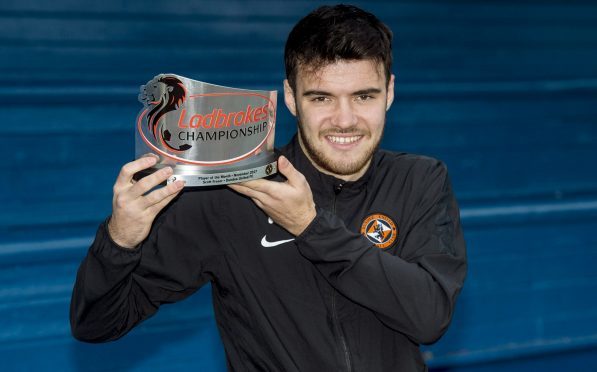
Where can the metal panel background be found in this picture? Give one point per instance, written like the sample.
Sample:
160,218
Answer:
504,91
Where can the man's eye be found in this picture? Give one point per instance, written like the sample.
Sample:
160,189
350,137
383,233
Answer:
320,99
364,97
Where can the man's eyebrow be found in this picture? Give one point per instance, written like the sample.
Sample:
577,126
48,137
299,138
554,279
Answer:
357,93
367,91
315,93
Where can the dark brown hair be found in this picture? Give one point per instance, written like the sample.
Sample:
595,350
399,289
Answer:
333,33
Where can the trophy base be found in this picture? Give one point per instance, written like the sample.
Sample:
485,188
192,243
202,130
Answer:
194,177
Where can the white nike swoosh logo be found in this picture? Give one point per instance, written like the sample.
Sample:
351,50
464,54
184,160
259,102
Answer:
267,244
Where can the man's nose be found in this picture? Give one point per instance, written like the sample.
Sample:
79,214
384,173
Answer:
344,117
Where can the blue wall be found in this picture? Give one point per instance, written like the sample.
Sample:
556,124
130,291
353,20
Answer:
504,91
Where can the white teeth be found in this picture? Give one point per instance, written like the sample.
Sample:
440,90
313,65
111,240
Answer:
343,140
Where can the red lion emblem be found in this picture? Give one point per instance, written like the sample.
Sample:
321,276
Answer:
165,93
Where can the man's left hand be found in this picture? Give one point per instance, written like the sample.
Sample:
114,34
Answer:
290,204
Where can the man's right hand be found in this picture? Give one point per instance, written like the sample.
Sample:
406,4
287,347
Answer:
133,208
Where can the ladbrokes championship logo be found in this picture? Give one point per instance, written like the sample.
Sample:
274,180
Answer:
209,134
196,123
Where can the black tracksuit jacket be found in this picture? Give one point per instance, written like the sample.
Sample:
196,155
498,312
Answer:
329,300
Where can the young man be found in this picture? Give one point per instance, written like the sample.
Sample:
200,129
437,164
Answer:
347,263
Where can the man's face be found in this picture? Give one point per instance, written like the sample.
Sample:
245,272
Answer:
341,111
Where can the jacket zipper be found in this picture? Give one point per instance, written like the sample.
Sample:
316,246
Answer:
335,320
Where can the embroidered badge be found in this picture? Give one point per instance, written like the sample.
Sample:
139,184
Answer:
380,230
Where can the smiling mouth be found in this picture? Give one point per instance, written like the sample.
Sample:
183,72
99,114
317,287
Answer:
343,140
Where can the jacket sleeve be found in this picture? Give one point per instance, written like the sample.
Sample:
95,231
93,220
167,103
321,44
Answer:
116,288
413,293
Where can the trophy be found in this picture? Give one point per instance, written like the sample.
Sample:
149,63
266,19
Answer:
209,134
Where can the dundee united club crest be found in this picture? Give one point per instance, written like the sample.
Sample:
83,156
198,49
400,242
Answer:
380,230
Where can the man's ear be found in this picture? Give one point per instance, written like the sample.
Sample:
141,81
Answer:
390,97
289,98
